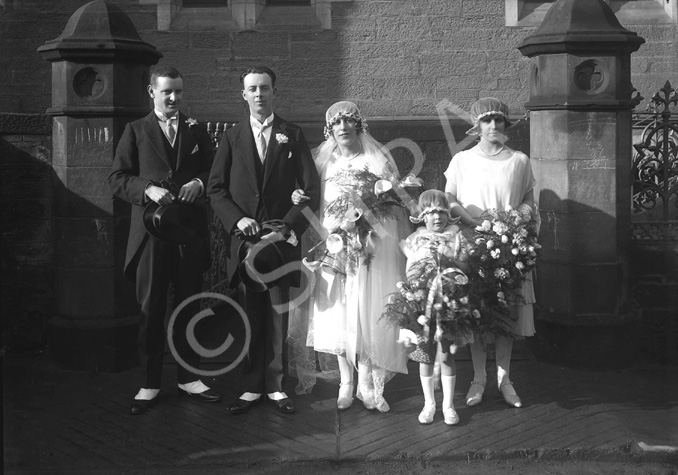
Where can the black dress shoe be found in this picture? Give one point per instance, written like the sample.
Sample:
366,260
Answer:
139,406
241,406
205,396
285,405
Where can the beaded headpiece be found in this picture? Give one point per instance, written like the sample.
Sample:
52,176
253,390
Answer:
343,110
487,107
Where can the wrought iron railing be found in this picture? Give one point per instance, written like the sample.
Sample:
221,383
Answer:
655,169
220,241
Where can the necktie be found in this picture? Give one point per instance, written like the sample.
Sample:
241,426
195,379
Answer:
261,141
169,131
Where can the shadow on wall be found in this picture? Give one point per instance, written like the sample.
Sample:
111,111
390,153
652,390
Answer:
584,315
25,240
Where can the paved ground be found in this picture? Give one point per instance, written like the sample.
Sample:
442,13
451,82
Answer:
573,421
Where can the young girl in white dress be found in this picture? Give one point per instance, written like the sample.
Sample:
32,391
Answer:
345,307
438,244
492,176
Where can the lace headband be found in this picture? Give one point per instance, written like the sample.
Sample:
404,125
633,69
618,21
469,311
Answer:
489,113
361,124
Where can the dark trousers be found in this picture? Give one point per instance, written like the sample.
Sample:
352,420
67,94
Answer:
266,356
161,264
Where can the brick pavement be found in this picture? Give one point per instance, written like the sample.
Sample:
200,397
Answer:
65,422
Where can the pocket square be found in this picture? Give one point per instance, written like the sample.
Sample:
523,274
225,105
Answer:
195,149
290,155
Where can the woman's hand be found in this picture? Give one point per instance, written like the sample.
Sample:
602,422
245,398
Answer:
298,197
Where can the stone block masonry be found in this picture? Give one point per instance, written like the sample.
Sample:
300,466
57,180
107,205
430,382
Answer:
461,47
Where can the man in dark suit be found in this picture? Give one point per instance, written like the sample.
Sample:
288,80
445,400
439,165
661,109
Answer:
258,165
164,146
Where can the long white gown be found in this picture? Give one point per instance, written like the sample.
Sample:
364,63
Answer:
482,183
346,309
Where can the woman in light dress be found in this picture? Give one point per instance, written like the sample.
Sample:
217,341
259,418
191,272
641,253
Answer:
345,307
492,176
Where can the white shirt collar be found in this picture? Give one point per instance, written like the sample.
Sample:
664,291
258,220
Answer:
161,117
255,122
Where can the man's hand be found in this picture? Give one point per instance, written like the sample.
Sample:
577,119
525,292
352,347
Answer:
298,196
249,226
190,192
160,195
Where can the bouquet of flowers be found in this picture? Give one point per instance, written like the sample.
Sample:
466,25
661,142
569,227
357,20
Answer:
366,199
502,251
436,293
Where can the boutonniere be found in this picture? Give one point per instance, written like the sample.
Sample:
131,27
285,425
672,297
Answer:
281,138
191,122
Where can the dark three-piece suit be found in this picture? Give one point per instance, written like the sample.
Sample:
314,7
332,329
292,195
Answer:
240,185
144,156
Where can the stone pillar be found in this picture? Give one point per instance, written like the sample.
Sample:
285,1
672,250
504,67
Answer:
580,143
100,70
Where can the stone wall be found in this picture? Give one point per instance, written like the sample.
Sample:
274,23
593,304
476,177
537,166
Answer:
401,61
395,58
26,229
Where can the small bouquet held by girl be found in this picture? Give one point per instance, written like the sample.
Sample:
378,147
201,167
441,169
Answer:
432,305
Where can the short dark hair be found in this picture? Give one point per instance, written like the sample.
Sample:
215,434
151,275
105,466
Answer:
258,70
164,72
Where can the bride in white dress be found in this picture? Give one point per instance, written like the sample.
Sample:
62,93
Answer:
349,297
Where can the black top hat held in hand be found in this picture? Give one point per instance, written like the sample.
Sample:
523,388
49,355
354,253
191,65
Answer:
176,223
259,258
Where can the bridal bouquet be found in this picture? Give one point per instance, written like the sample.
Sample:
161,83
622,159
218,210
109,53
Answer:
366,200
435,298
502,252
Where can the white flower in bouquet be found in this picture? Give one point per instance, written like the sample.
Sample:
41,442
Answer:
382,186
515,251
504,238
490,244
311,265
495,253
411,181
334,243
353,214
520,265
499,228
